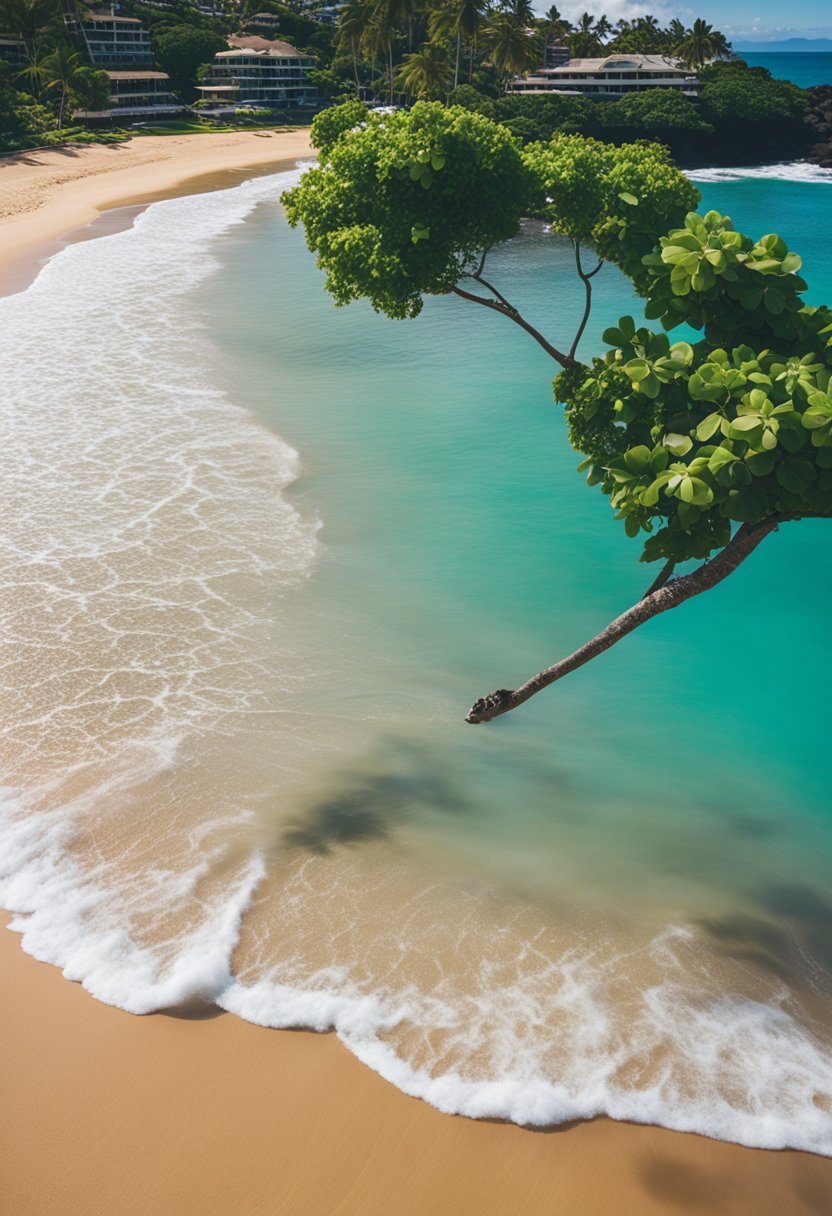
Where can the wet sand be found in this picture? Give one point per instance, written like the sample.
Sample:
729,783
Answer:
107,1114
44,195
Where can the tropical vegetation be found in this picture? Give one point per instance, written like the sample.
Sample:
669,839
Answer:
704,445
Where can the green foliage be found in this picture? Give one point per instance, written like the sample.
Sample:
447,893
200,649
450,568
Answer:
734,91
654,112
721,281
687,439
180,50
91,90
614,198
23,122
402,203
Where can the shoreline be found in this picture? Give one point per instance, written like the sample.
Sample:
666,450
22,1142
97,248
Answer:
110,1113
45,196
203,1113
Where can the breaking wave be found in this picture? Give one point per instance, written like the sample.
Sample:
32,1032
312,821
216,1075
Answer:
150,551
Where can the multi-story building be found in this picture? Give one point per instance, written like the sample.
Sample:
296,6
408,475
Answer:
257,72
112,41
120,46
608,76
264,24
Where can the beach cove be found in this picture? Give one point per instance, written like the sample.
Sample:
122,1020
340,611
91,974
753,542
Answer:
536,1166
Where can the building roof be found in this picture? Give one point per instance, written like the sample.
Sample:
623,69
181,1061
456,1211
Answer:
260,46
641,63
138,76
109,17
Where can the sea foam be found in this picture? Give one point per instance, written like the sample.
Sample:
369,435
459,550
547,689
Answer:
787,171
145,548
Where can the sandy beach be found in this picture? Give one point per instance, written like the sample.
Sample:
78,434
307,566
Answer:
106,1114
46,194
198,1112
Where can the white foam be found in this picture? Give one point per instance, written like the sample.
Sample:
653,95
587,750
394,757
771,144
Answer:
136,494
786,171
735,1069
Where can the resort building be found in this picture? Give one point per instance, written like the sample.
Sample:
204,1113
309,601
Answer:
120,46
112,41
609,76
257,72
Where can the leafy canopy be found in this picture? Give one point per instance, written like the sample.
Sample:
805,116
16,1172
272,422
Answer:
686,438
738,427
402,202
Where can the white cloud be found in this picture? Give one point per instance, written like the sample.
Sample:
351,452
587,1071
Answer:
617,10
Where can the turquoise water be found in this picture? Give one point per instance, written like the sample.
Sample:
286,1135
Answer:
803,68
242,770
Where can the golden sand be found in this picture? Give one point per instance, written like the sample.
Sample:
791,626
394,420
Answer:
46,194
106,1114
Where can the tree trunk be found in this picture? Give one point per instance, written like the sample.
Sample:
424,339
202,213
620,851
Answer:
456,64
390,70
668,595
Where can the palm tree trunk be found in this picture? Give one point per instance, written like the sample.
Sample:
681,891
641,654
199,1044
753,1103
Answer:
390,68
456,64
471,62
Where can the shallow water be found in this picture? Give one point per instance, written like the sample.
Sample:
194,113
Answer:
239,768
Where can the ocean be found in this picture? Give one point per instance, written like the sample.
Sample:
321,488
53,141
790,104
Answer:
803,68
258,557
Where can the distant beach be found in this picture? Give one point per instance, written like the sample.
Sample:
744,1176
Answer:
47,193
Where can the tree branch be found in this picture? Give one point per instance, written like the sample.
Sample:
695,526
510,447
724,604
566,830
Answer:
506,310
668,595
661,578
586,280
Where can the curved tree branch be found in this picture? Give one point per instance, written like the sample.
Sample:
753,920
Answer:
586,280
506,310
666,596
661,578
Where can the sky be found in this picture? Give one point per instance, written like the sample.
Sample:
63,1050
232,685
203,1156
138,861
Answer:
751,20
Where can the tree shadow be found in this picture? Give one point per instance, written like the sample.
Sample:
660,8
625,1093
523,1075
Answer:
682,1187
793,941
372,803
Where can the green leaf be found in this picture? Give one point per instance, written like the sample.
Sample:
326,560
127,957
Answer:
629,199
708,426
637,459
679,445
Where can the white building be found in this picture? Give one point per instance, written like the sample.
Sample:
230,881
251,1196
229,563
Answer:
608,76
257,72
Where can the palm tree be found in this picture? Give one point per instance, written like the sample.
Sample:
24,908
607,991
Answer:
471,14
512,48
27,20
425,73
61,70
521,9
698,45
455,20
603,28
584,40
555,29
675,33
352,24
389,16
